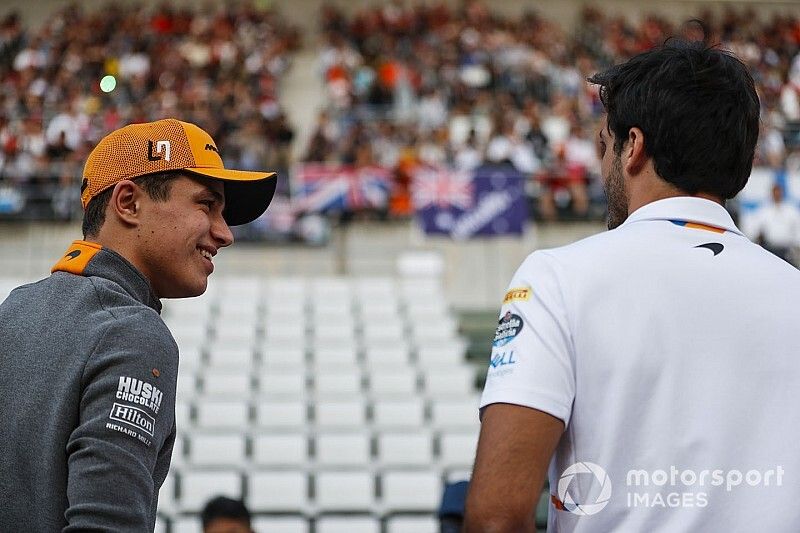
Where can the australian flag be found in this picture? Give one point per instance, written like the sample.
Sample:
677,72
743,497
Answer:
487,201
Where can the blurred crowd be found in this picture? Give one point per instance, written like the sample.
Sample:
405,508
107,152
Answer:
430,85
217,66
407,84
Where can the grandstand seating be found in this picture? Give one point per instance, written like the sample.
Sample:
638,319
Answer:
327,404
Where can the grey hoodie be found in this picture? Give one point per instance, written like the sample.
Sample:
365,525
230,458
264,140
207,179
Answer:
87,398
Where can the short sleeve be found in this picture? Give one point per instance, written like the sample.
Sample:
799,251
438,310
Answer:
531,362
127,415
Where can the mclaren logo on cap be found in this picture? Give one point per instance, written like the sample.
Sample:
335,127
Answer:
73,254
160,147
212,148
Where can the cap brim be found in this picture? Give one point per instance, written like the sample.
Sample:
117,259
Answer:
247,194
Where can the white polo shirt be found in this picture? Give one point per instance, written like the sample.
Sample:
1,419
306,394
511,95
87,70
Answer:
670,348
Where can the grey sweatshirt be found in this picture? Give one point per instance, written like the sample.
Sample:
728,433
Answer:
87,398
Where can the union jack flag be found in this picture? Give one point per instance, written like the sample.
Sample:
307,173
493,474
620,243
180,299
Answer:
323,188
442,188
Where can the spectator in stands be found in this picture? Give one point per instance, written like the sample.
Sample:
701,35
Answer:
776,226
466,66
201,63
225,515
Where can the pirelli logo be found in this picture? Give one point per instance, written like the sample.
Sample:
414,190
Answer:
133,416
517,294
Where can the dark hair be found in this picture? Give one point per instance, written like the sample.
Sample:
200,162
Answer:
698,109
157,186
223,507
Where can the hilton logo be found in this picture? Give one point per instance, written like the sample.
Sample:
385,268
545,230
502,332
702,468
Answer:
133,416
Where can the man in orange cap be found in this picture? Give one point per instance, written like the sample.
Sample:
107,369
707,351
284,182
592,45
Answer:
87,366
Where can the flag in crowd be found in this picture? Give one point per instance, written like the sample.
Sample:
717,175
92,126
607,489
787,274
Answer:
322,188
487,201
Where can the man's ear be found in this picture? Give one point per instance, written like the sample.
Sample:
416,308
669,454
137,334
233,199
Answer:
634,155
125,202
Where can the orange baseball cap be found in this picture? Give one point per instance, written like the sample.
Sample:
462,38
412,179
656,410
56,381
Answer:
169,144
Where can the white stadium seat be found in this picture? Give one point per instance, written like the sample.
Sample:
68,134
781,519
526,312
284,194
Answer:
340,413
457,448
222,355
290,384
342,449
219,413
187,384
345,491
216,450
412,524
384,353
342,320
442,327
405,448
242,335
396,381
197,487
241,325
280,449
336,354
282,326
227,382
374,330
337,383
398,413
277,491
183,414
166,495
280,524
450,381
349,524
189,357
276,356
324,331
281,414
455,413
410,491
178,452
440,354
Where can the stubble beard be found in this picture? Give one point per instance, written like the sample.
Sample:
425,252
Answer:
616,194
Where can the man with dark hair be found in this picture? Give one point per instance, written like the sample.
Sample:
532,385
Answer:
88,368
225,515
628,361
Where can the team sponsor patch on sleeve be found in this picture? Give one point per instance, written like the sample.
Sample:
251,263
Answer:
517,294
508,327
134,420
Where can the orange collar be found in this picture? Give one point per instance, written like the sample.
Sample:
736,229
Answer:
77,257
